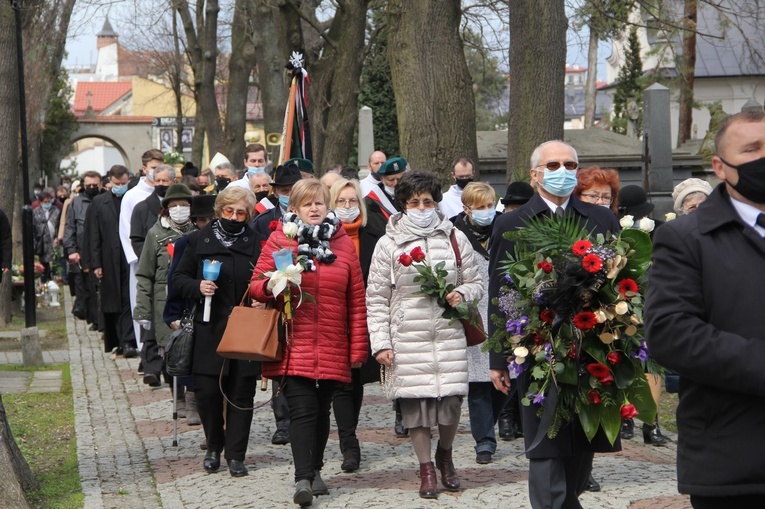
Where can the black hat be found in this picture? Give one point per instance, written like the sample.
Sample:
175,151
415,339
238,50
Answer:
203,205
634,202
517,193
286,175
177,192
303,164
393,166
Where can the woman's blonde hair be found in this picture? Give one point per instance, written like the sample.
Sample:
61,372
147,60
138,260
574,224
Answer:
231,195
305,190
478,193
338,187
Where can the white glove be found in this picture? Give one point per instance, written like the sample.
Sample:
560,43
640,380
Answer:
146,324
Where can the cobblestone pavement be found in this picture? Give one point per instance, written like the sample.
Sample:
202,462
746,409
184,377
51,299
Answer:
124,434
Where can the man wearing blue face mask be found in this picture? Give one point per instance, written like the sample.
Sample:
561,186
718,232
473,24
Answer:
559,467
255,162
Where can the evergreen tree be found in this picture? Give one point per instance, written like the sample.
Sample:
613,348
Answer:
376,87
629,86
60,124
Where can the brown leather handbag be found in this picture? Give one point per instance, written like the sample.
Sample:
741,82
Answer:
474,331
252,334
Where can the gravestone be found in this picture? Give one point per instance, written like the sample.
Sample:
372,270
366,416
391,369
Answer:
366,139
30,347
657,139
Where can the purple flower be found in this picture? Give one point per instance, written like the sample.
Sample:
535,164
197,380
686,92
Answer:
539,398
516,369
547,351
539,297
642,352
507,279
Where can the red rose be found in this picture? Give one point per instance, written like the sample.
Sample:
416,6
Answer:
581,247
273,225
592,263
614,358
546,266
538,340
547,316
585,320
594,397
405,260
417,254
629,411
627,285
606,380
598,370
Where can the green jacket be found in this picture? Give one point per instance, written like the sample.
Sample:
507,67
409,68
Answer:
151,275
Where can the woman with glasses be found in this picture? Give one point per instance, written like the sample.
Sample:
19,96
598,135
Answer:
598,186
347,202
425,354
230,241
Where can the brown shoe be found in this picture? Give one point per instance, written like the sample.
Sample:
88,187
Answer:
449,477
428,483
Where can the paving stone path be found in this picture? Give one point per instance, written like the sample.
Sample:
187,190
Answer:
127,460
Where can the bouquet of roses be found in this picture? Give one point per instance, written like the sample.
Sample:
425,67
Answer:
433,279
571,311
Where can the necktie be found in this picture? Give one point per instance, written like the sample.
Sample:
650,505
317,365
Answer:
559,212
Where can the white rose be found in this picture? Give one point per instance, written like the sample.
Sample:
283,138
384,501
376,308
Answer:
521,351
646,224
627,221
669,216
290,230
621,308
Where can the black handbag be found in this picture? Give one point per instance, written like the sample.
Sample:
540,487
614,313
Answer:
180,346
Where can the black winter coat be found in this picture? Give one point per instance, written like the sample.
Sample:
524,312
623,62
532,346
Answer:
144,217
105,251
704,312
237,263
571,438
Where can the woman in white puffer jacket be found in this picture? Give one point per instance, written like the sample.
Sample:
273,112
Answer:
425,355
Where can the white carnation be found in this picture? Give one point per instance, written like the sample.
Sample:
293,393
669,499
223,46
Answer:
627,221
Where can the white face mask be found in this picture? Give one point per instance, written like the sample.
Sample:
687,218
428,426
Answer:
180,214
347,215
390,190
421,218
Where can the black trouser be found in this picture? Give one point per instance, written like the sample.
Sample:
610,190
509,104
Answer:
152,361
118,330
309,422
91,301
240,390
558,482
280,407
346,405
80,292
739,502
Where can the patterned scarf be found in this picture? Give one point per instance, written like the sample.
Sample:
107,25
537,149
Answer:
224,237
313,240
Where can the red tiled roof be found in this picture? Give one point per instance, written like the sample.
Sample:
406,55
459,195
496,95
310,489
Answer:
575,68
117,119
104,94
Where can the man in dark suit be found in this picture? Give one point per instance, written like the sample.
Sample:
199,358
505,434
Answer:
110,266
146,212
704,312
559,467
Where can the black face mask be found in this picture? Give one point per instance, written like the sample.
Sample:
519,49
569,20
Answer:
260,195
751,179
222,182
91,192
231,226
461,183
161,190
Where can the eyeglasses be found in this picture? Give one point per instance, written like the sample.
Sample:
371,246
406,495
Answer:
415,204
595,198
554,165
229,213
350,203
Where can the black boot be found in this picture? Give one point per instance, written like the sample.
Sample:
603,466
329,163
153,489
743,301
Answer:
652,434
398,427
351,454
506,429
628,429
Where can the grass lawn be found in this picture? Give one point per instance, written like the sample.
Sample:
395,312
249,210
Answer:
51,320
43,426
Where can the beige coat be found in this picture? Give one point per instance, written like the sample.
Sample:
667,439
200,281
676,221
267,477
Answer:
430,355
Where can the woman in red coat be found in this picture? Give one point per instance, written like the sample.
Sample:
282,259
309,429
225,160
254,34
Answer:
328,337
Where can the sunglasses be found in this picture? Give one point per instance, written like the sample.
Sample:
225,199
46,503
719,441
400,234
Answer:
554,165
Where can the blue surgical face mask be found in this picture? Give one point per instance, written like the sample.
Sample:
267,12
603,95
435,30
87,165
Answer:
560,182
284,200
119,190
252,170
47,206
484,217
